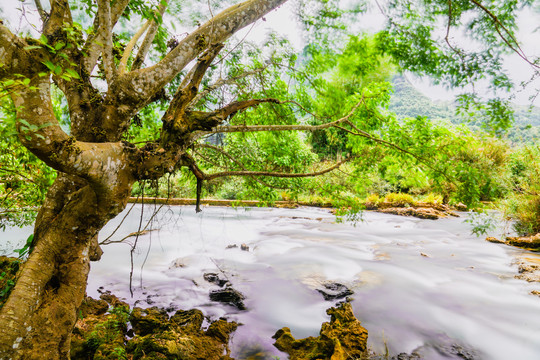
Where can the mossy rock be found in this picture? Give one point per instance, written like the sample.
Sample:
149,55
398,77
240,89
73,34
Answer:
102,336
340,339
148,321
168,344
189,320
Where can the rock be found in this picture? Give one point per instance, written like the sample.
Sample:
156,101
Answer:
229,296
422,213
147,321
528,269
404,356
91,306
214,279
460,207
340,339
333,291
232,246
244,247
494,240
535,292
180,337
188,319
424,254
526,242
112,299
178,263
221,330
441,347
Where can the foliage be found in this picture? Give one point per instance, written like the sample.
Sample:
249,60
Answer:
481,221
524,202
413,39
24,179
109,333
8,271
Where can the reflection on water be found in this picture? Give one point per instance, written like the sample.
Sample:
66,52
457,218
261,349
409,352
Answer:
417,283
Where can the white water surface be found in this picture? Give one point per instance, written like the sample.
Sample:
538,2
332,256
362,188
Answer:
417,283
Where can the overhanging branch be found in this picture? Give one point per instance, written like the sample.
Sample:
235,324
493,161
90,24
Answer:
278,174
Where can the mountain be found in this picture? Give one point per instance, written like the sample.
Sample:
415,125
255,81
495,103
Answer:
407,101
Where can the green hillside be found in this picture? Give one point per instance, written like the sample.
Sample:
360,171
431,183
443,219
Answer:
407,101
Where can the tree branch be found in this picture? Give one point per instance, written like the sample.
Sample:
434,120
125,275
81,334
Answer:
278,174
94,44
42,13
222,82
129,47
60,15
140,85
299,127
148,39
231,158
513,44
104,14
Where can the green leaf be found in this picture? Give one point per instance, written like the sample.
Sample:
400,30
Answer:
57,70
49,64
25,122
73,73
59,45
32,47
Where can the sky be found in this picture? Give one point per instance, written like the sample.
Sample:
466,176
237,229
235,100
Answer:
283,22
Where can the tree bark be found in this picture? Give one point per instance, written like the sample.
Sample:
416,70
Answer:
41,311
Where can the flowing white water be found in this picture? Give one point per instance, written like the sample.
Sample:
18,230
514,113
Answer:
416,282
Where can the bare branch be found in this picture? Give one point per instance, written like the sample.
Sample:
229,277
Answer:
42,13
104,13
278,174
129,47
147,42
299,127
138,86
94,43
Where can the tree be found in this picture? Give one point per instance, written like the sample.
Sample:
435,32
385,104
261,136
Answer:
97,166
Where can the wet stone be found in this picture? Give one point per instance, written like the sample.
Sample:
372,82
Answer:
334,291
91,306
214,279
229,296
342,338
146,321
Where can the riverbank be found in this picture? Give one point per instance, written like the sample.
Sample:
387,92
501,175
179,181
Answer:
397,204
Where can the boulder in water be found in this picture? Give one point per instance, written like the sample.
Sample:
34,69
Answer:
340,339
334,291
229,296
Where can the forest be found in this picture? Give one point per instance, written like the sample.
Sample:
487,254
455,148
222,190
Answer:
171,107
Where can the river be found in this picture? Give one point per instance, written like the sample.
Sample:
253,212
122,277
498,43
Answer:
418,284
